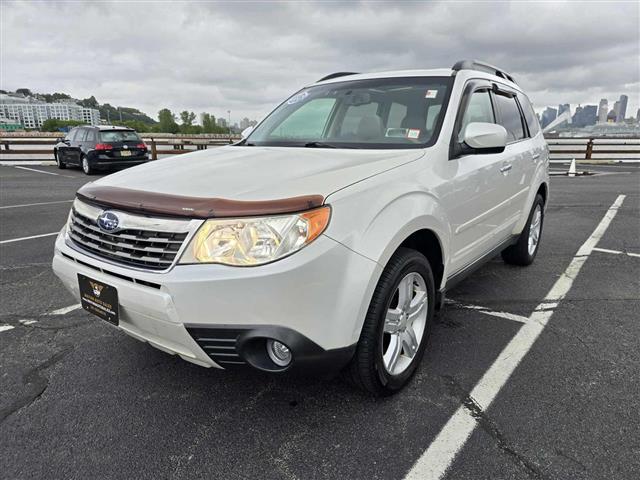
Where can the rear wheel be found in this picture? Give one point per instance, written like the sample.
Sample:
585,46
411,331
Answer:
86,166
60,163
524,252
396,327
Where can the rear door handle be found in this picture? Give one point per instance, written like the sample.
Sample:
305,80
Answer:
536,156
506,168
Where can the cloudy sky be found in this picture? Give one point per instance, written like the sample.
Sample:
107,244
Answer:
247,56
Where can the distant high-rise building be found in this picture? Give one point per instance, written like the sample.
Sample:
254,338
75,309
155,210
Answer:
622,109
548,116
585,116
563,107
616,109
603,109
638,116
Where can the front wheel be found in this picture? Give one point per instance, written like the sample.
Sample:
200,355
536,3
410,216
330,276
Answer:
86,166
524,252
396,327
61,165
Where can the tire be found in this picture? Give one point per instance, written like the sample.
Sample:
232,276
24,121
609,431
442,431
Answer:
61,165
86,166
523,253
371,368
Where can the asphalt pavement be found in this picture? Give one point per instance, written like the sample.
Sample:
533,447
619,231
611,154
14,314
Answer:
80,399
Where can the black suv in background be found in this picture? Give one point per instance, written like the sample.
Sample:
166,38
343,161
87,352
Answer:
100,148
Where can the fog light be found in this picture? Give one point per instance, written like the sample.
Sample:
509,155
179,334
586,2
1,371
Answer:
279,353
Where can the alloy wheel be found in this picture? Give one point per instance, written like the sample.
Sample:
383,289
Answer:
404,323
534,230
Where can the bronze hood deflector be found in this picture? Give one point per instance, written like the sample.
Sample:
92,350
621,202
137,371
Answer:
152,203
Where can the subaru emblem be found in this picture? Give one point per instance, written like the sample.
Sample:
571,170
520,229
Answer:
108,221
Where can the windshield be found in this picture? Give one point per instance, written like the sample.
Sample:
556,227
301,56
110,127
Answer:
375,113
119,136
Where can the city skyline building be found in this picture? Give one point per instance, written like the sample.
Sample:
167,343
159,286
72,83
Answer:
548,116
603,109
622,108
32,113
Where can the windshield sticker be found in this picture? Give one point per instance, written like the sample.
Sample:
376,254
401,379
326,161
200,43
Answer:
431,94
296,98
396,132
413,133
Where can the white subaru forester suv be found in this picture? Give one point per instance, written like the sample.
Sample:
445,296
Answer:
324,240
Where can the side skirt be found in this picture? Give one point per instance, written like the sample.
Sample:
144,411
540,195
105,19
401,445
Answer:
460,275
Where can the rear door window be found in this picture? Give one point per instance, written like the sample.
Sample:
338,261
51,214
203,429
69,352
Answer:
509,116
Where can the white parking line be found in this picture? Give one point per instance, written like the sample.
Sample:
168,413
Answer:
435,461
486,311
617,252
62,311
4,328
35,204
39,171
28,238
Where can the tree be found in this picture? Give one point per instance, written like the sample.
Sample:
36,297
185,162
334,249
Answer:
24,91
55,125
90,102
167,122
187,118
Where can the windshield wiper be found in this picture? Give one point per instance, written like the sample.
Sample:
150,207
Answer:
319,145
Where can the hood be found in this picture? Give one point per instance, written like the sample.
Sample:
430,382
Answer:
259,173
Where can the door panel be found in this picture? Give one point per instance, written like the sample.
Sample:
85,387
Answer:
478,207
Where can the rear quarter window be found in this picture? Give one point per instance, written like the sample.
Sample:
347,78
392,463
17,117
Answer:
529,115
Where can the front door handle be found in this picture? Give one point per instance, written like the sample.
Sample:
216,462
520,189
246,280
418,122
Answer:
536,156
506,168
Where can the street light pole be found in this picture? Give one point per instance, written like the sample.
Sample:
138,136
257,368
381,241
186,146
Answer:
229,125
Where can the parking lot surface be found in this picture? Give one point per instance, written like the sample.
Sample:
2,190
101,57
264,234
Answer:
80,399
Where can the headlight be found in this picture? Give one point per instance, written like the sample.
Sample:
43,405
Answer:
254,241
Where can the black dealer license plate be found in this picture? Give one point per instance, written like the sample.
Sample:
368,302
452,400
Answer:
99,298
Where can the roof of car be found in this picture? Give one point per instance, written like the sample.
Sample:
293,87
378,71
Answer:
112,127
439,72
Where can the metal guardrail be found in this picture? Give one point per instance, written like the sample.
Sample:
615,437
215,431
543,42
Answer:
580,148
587,147
178,144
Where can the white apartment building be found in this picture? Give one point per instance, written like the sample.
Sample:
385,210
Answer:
34,114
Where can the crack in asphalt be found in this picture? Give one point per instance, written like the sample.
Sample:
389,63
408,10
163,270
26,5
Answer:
490,427
36,383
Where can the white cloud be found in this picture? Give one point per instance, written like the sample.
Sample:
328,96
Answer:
249,56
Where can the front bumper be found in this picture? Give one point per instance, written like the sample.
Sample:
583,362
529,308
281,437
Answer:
315,300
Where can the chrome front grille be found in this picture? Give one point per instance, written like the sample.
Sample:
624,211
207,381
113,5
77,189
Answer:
141,242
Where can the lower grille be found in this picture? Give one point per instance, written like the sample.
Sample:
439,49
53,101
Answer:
219,344
142,248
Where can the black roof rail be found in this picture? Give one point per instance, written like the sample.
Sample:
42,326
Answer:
336,75
483,67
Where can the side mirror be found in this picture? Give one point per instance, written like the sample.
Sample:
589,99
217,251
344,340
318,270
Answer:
485,137
245,133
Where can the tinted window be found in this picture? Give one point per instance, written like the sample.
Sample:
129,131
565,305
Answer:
71,136
91,136
479,109
529,115
510,117
119,136
82,135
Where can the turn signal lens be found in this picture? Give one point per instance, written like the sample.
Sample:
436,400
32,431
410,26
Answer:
255,241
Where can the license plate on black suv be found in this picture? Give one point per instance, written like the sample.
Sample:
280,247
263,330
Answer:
99,298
